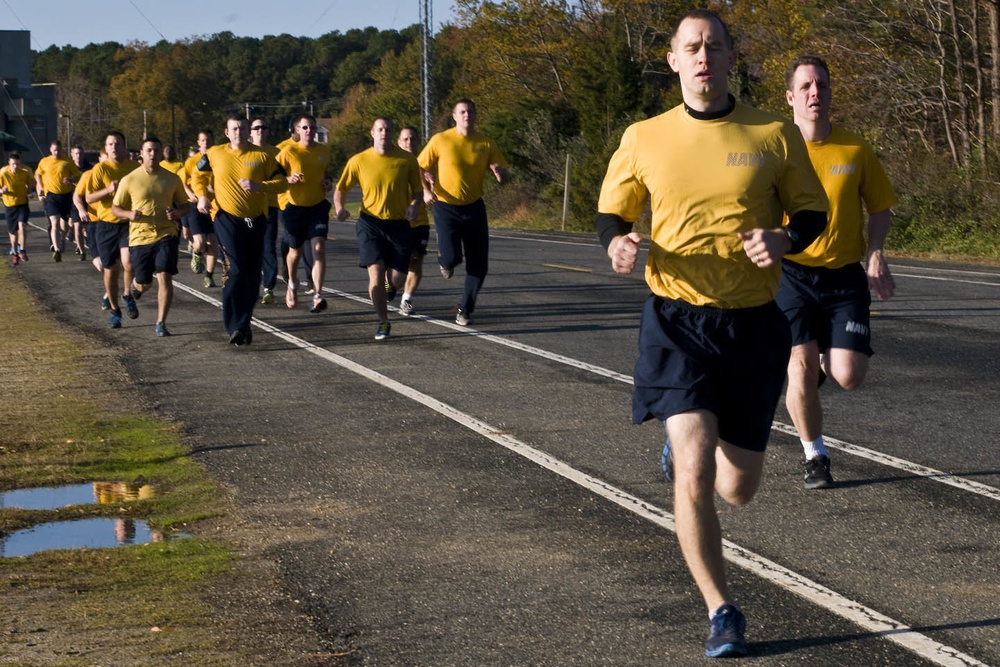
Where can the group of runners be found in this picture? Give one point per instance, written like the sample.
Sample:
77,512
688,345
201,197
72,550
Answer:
229,201
741,299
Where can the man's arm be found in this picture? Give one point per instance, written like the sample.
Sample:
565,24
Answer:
499,173
338,205
879,277
766,247
620,241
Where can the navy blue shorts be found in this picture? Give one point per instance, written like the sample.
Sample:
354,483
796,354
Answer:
198,222
58,205
109,239
16,215
158,257
731,363
419,238
387,241
829,306
303,223
88,228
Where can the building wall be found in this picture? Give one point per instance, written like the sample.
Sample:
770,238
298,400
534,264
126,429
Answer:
28,110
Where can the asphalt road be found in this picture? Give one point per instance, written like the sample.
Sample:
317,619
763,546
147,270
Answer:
478,496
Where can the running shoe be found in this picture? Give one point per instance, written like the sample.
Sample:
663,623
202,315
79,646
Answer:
667,461
161,330
77,251
209,281
56,255
197,262
268,297
817,474
463,319
406,307
725,638
115,319
236,338
131,309
105,303
447,273
319,304
134,291
290,296
384,328
390,291
22,254
83,254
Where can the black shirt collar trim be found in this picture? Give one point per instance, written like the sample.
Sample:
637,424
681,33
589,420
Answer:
712,115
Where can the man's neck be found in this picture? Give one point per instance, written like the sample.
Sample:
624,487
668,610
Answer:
815,131
150,168
706,105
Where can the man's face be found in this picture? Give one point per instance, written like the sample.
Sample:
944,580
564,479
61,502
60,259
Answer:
307,130
204,141
237,131
701,56
810,94
14,163
152,153
464,115
258,132
76,154
55,150
407,140
115,148
381,135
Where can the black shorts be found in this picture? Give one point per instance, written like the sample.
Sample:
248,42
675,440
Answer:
387,241
58,205
731,363
109,239
158,257
829,306
419,237
89,230
303,223
17,215
198,222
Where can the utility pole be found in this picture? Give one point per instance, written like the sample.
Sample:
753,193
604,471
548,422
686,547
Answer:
426,21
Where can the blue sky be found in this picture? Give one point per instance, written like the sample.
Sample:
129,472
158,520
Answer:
80,22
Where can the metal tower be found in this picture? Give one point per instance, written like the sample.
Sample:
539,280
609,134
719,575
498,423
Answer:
426,21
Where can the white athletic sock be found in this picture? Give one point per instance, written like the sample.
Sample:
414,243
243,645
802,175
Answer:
407,296
814,448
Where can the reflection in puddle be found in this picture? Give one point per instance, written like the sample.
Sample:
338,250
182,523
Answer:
81,534
53,498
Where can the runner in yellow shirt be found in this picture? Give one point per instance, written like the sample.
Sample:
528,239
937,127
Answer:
15,179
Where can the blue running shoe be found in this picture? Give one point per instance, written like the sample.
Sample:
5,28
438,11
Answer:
105,303
726,635
161,330
115,319
131,309
667,461
383,331
390,291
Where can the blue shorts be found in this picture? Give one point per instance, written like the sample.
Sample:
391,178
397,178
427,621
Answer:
303,223
419,237
198,222
58,205
385,241
829,306
158,257
89,230
17,215
109,239
731,363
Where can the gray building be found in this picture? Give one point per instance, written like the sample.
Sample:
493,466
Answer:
28,118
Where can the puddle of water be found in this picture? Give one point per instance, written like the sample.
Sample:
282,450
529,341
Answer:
80,534
55,497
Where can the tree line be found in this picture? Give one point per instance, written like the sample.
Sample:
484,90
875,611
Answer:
557,82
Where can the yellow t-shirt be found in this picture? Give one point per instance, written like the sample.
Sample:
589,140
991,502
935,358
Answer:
81,190
851,175
226,167
53,173
152,194
272,197
17,182
459,165
173,167
314,162
388,182
101,177
707,180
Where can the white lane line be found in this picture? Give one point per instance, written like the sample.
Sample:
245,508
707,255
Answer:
946,280
915,469
868,619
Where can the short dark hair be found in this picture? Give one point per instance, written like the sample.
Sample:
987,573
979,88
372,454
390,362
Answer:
464,100
704,15
153,139
14,154
801,61
115,133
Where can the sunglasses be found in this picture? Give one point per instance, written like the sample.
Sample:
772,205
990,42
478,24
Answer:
258,127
